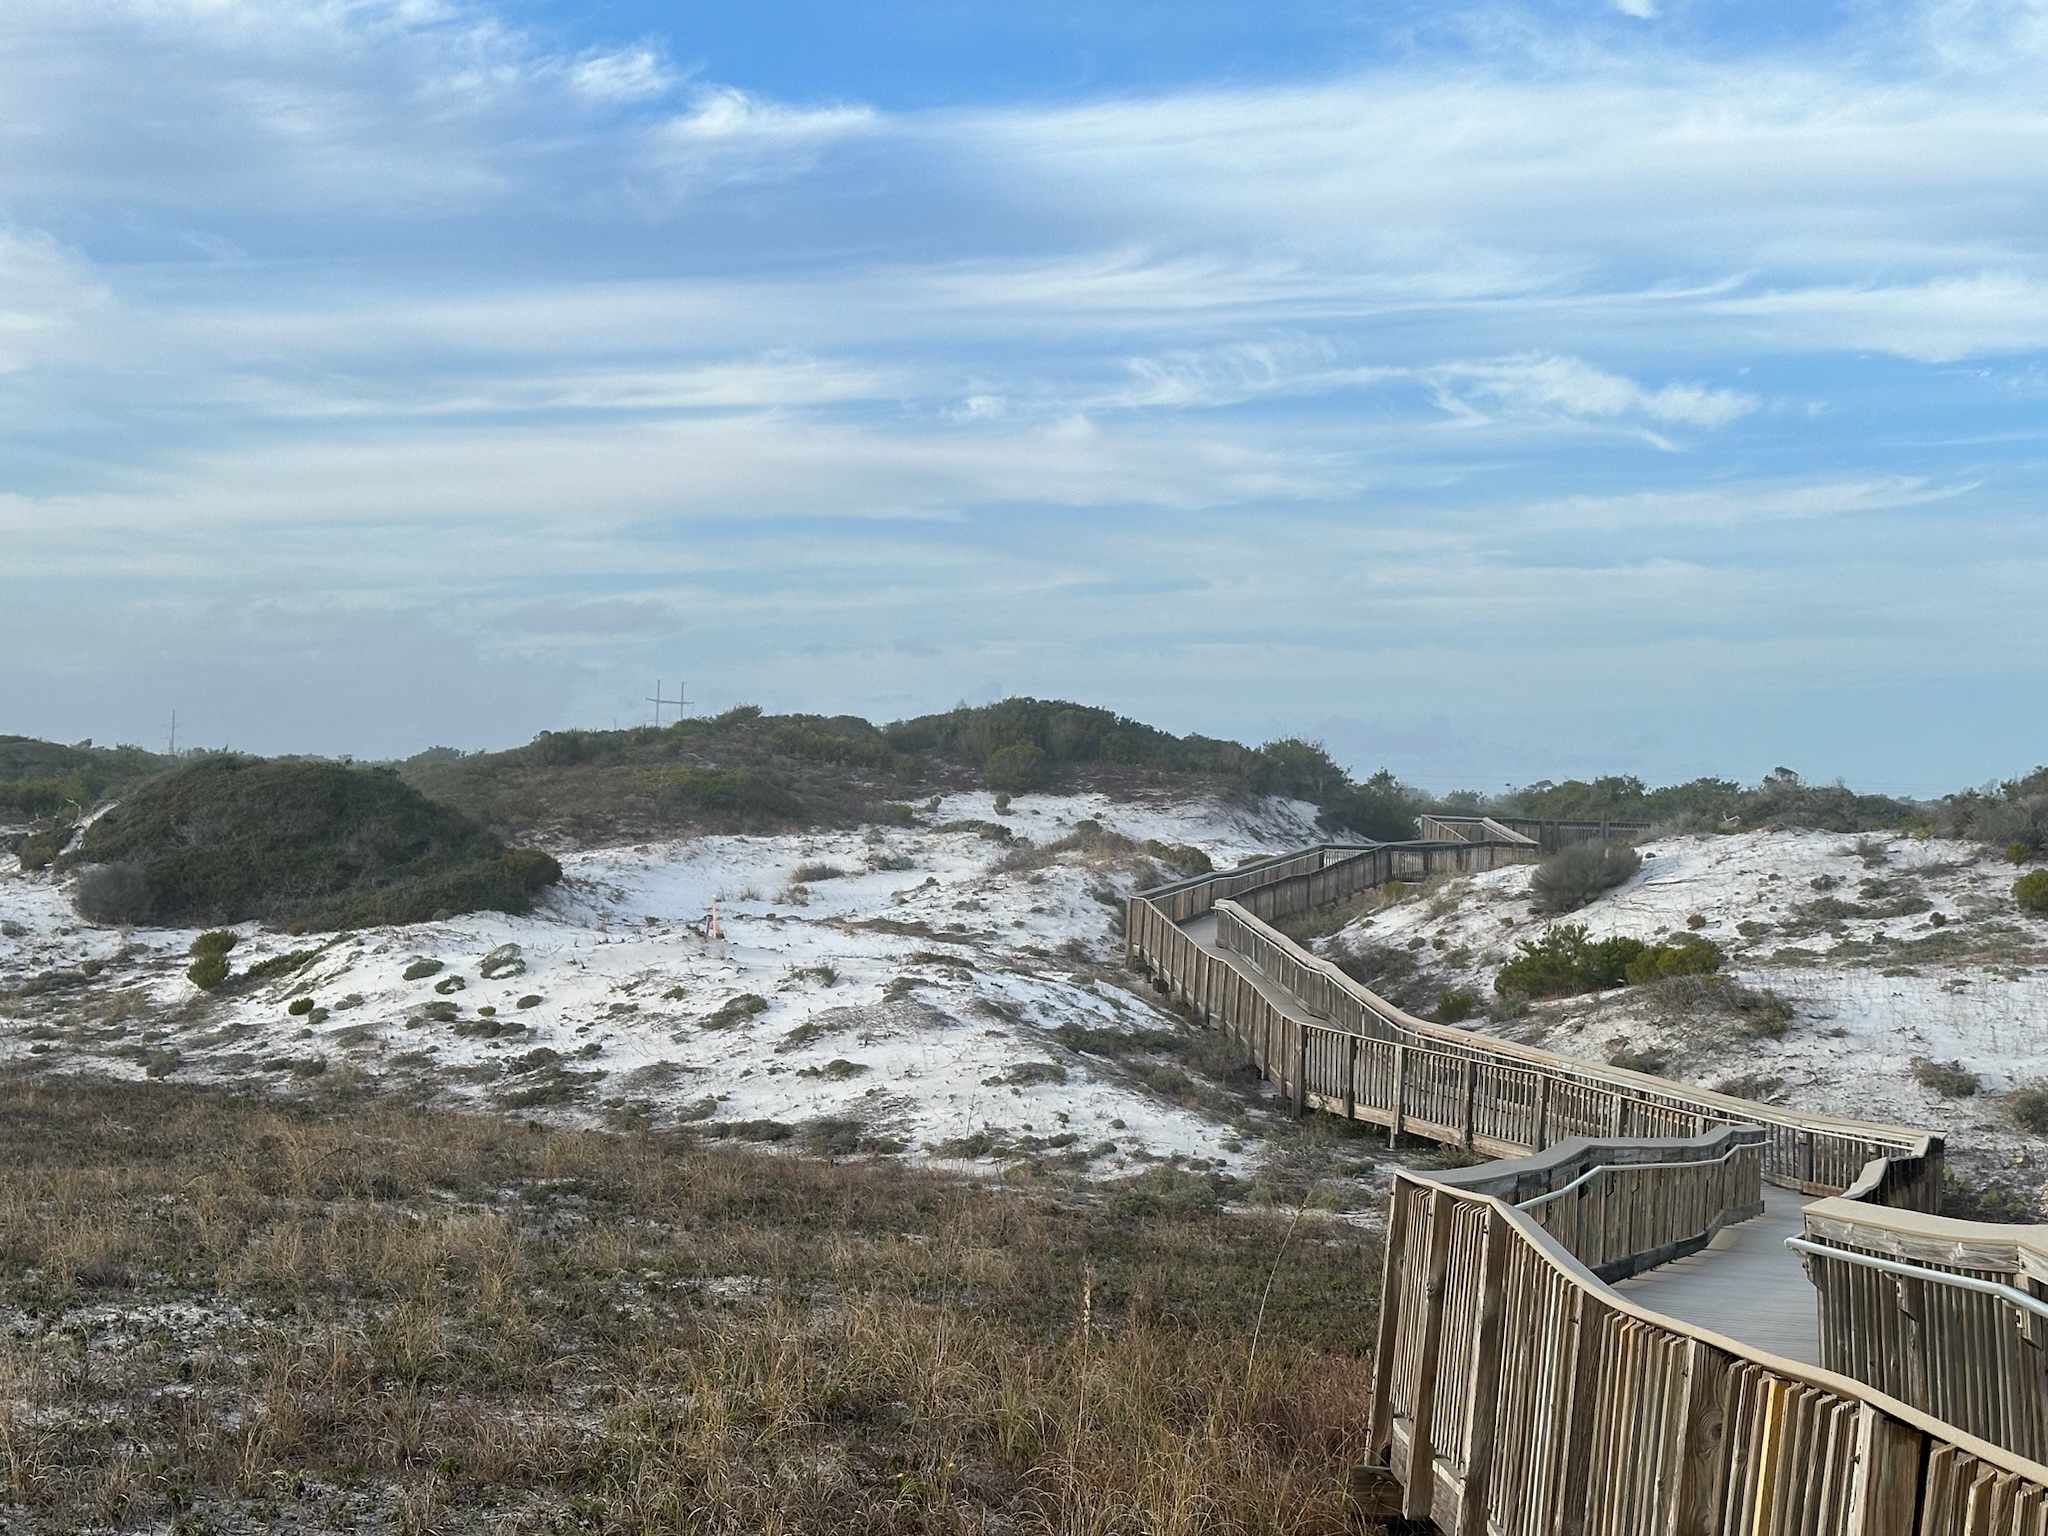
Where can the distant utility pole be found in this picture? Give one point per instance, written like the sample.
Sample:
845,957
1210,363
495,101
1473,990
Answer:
681,701
173,752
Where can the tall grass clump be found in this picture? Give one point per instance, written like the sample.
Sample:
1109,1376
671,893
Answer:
1574,876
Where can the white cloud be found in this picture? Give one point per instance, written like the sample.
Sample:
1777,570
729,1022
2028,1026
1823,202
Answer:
1569,386
633,74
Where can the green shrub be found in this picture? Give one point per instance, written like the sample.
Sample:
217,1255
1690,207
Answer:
422,968
231,838
215,941
1016,768
299,1006
1456,1004
1573,876
40,849
2027,1107
2031,891
1565,961
112,895
208,971
2019,853
736,1010
736,791
1691,957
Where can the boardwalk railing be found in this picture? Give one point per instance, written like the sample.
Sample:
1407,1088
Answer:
1335,1045
1516,1392
1951,1316
1621,1207
1518,1395
1548,836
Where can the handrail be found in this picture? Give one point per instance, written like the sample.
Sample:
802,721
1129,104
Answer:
1591,1173
1515,1392
2003,1292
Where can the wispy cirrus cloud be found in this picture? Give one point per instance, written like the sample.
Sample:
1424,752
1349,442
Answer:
1209,398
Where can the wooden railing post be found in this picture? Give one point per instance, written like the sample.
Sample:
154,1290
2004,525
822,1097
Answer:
1471,1075
1419,1483
1400,1096
1699,1457
1300,1033
1582,1412
1884,1495
1483,1389
1542,1113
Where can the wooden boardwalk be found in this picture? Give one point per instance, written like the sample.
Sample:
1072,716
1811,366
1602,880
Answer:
1745,1284
1602,1332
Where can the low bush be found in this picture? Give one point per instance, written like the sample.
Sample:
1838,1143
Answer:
1567,961
208,971
1950,1079
1689,957
2031,892
1574,876
736,1010
1017,768
215,941
2027,1107
111,895
1457,1003
228,838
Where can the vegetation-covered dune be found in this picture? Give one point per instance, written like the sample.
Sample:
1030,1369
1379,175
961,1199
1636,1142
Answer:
226,839
745,771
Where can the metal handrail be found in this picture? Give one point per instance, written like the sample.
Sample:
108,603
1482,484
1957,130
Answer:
2005,1293
1699,1162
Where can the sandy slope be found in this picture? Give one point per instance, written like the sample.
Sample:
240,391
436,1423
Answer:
1869,993
916,994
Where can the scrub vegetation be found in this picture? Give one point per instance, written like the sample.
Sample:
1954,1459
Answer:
351,1315
229,839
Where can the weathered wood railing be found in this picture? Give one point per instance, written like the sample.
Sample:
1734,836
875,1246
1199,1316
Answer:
1518,1395
1335,1045
1951,1316
1621,1207
1549,836
1516,1392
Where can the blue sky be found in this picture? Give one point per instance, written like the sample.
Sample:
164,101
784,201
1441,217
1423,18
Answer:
1495,392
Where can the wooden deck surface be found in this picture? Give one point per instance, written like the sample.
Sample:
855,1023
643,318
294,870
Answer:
1746,1284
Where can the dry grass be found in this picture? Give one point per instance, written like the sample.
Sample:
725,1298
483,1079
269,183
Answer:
225,1314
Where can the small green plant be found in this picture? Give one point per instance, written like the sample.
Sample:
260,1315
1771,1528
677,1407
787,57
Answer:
735,1010
208,971
2019,853
299,1007
440,1012
449,985
531,1000
2031,892
1690,957
112,895
422,968
1697,920
215,941
1003,803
